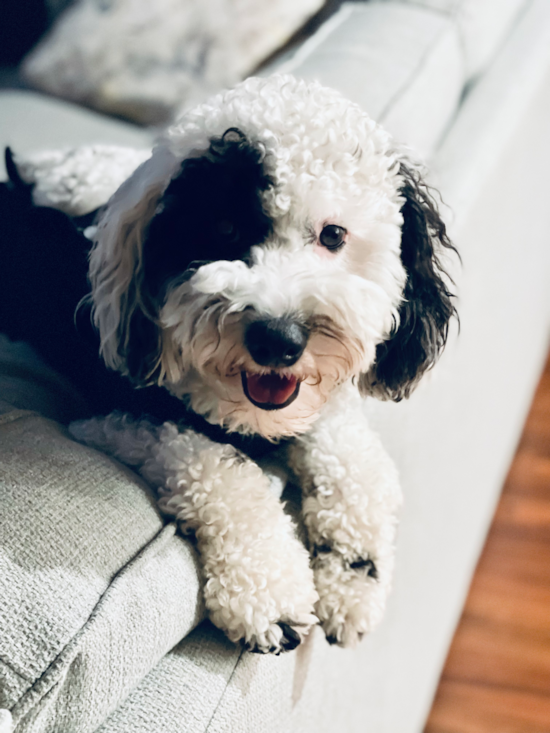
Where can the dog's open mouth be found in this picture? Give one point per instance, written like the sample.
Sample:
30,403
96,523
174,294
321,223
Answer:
270,391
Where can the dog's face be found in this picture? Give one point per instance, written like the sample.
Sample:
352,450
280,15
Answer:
273,247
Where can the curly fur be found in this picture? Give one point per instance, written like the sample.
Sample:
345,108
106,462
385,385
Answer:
419,337
258,581
275,202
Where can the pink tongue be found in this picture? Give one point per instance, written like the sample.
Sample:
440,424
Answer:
270,388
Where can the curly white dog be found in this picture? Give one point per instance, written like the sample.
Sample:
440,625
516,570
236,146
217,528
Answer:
273,261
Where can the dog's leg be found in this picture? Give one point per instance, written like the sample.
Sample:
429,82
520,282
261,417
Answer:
351,495
259,586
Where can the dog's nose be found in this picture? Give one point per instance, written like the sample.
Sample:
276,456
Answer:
276,342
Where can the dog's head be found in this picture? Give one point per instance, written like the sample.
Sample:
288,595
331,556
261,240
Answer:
274,246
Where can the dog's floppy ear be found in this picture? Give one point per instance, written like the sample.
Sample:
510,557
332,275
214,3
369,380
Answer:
416,342
139,339
124,311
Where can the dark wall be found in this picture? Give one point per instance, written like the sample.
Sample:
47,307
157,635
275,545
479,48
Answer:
22,22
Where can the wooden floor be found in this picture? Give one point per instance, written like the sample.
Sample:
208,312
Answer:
497,675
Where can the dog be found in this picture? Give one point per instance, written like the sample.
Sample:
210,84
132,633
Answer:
276,260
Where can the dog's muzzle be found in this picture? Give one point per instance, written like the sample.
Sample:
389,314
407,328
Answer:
275,343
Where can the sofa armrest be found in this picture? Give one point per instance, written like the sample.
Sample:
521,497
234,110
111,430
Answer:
95,589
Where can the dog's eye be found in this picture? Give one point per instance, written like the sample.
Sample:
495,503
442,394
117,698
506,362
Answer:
226,227
332,237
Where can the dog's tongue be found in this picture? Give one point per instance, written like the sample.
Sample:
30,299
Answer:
274,389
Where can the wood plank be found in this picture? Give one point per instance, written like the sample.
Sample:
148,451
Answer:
469,708
529,474
518,553
527,608
499,655
525,511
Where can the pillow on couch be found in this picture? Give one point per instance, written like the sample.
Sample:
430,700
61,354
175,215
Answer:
143,59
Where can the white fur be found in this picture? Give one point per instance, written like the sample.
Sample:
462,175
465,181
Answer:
351,497
257,572
6,721
331,164
78,180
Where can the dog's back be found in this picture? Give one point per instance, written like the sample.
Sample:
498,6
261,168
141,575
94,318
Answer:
43,279
43,263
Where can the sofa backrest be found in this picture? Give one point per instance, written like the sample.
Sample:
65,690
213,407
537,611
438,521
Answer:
483,26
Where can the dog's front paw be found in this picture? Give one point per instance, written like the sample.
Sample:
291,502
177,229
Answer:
264,621
352,595
259,585
283,636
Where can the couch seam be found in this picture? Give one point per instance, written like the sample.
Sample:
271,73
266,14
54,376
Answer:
417,71
222,694
15,671
325,30
41,686
452,13
16,414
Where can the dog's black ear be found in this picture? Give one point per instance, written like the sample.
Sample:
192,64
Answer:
416,342
139,337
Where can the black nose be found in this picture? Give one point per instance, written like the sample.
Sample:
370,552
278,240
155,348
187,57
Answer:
276,342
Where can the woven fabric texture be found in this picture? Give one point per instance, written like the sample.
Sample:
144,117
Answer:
95,589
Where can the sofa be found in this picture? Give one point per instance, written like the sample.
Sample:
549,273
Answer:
102,626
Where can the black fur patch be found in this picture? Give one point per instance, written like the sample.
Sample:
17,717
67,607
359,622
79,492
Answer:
415,345
212,210
289,641
321,550
367,565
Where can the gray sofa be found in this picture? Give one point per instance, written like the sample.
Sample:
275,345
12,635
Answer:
101,622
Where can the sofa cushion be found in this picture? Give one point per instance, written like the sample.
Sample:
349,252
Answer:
26,383
483,24
31,121
401,64
183,692
95,590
